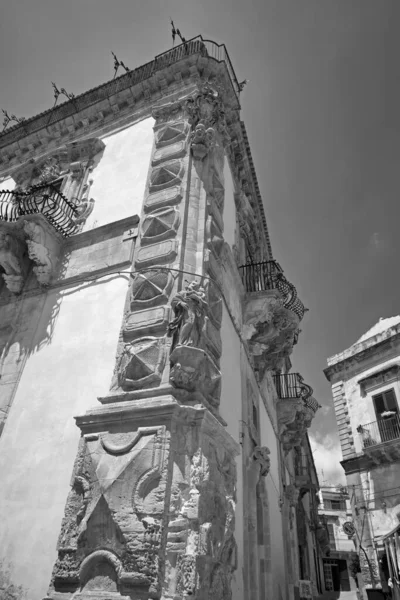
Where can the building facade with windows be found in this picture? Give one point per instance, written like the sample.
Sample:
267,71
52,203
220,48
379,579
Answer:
366,395
149,418
335,511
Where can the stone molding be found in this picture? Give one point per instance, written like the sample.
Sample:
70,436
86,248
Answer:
98,118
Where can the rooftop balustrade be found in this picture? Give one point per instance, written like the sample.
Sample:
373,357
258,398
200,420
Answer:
268,275
42,199
197,45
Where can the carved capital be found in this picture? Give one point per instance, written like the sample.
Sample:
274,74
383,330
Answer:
261,456
206,107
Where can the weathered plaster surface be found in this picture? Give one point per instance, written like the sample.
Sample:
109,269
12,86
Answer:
69,369
7,184
120,177
274,545
229,208
231,412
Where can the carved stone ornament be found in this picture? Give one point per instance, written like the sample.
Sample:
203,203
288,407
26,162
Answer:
192,367
151,288
141,363
167,175
206,107
294,418
84,205
292,495
138,525
270,330
190,308
11,260
193,370
60,162
171,133
44,246
160,225
261,456
202,141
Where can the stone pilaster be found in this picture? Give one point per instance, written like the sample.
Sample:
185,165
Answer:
151,508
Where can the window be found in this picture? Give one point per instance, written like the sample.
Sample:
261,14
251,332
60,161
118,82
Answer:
385,401
335,504
328,576
331,531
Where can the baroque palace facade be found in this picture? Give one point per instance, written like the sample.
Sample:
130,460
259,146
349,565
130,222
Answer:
139,296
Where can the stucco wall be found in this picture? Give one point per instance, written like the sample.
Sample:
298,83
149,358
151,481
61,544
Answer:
7,184
231,411
40,439
229,206
275,551
119,178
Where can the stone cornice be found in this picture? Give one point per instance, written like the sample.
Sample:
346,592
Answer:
361,352
128,99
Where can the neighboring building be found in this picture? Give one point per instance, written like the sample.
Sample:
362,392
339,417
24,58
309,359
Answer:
139,295
335,510
366,392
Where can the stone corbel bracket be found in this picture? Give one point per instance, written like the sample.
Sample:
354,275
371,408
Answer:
294,418
13,256
269,329
292,495
44,245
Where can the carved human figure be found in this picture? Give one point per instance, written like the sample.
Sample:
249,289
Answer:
9,251
190,307
261,456
202,139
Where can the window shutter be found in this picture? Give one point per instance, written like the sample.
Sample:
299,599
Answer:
379,404
390,400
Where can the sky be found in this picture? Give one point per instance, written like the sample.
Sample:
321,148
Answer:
322,112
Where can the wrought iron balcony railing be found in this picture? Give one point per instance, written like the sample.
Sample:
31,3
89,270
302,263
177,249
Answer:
291,385
42,199
268,275
381,431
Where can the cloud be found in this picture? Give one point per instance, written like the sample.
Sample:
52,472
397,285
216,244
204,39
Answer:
376,243
327,456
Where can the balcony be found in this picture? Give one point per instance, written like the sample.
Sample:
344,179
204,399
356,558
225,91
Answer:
272,314
381,439
268,275
296,408
33,224
44,199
